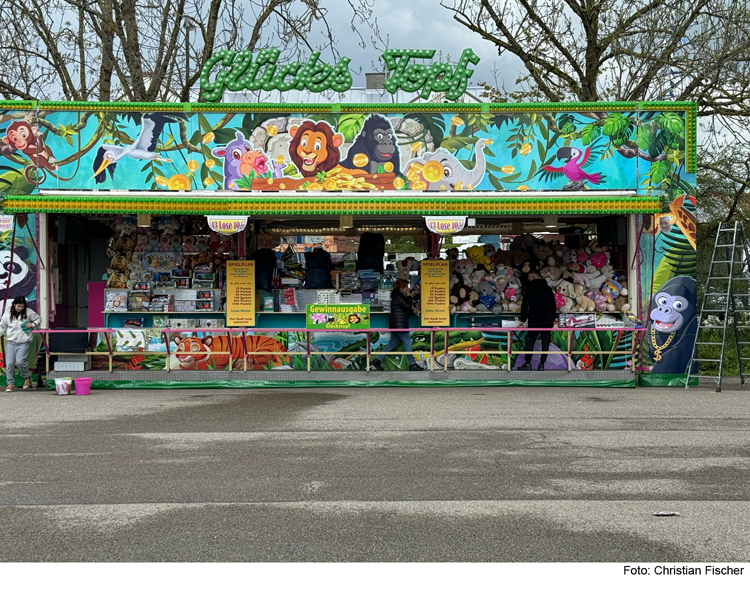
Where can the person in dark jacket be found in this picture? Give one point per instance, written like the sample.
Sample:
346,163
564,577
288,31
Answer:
401,309
540,309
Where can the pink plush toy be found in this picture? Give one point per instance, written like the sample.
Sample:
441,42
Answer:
582,255
599,260
559,300
600,302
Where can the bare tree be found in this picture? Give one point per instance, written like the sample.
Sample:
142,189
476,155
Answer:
146,50
631,50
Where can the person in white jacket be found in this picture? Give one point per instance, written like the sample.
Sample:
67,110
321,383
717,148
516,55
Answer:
16,327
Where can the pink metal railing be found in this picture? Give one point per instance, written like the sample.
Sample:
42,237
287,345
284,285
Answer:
309,353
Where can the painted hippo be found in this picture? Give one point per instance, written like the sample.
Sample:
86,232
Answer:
240,159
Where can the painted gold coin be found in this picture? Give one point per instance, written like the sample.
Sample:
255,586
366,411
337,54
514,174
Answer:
210,163
269,181
192,165
457,121
209,137
469,187
279,159
442,187
160,180
398,183
432,171
330,185
282,186
488,142
417,146
360,160
508,169
314,187
522,188
272,130
525,149
419,186
178,182
208,181
388,166
458,186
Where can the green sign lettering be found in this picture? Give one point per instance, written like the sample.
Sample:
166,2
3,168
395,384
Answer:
242,71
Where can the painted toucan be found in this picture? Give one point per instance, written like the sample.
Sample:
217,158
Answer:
572,169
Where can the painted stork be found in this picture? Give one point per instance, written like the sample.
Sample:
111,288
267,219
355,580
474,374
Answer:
141,149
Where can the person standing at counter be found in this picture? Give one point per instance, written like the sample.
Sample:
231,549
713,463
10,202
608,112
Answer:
16,327
402,307
540,309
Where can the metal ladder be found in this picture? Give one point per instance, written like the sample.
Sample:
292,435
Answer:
730,263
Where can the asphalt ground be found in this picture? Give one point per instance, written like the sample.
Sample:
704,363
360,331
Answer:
392,474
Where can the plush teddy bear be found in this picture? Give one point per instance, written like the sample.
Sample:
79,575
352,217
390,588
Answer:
476,254
512,300
510,258
489,301
551,274
153,243
188,244
165,243
464,267
476,276
176,243
141,244
583,303
611,289
460,297
569,257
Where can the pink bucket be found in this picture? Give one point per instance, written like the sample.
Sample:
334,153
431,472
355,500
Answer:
83,386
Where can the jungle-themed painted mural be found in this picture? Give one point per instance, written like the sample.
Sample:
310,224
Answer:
18,262
467,350
668,284
492,151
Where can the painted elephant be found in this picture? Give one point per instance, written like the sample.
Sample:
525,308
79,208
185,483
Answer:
454,176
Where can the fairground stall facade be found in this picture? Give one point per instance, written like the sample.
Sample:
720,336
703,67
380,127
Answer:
197,243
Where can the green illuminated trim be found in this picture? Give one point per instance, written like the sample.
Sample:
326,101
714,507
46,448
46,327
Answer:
329,205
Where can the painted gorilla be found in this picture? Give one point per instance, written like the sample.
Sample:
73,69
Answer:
672,325
377,141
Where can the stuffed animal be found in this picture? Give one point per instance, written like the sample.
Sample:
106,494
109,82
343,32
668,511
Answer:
567,291
489,301
476,254
452,254
583,303
201,244
464,267
595,248
582,256
543,252
489,250
569,257
165,243
502,274
611,289
176,243
510,258
578,277
551,274
559,301
153,243
600,302
460,297
600,259
141,244
512,300
620,303
476,276
523,242
188,244
405,267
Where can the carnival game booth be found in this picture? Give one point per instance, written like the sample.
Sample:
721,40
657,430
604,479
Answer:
201,285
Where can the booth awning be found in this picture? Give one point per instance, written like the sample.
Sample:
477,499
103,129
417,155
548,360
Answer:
325,203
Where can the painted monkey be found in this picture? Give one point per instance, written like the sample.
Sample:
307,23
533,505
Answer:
22,136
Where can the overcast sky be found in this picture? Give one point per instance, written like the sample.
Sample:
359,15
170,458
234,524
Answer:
416,24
